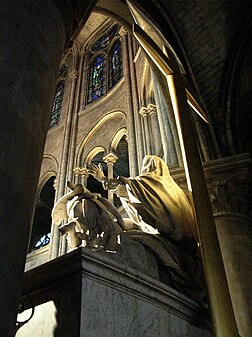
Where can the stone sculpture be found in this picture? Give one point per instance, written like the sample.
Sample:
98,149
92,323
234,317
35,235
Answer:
161,218
92,220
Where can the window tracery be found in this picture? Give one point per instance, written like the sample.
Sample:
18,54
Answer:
104,41
105,69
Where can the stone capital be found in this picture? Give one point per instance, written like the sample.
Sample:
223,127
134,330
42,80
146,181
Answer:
152,109
110,158
81,171
74,74
144,111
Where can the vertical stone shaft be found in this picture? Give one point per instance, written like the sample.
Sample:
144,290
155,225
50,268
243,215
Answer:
168,130
32,38
134,92
110,159
155,131
130,116
55,235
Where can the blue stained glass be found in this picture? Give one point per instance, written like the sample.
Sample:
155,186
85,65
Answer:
105,40
43,241
97,78
57,103
115,62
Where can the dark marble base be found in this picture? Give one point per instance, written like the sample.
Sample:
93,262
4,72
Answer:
91,294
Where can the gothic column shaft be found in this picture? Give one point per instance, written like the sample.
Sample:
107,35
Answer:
170,151
161,123
110,160
155,131
146,132
201,137
58,243
134,91
130,116
77,104
28,79
75,93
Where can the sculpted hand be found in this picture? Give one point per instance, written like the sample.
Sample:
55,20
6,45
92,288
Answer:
96,172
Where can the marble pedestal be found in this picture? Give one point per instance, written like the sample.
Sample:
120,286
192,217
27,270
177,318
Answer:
88,294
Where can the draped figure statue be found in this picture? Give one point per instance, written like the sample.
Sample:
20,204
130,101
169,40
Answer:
153,200
161,218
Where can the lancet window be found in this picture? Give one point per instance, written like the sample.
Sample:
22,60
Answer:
57,103
105,68
58,96
115,64
97,78
41,228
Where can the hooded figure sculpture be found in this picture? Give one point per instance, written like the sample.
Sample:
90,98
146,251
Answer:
153,200
161,218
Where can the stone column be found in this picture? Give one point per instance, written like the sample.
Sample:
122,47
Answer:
235,236
32,41
155,130
172,152
82,174
133,166
58,243
85,75
134,92
110,159
201,136
145,114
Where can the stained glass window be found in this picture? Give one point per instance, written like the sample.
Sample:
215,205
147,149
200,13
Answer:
43,241
63,70
105,40
97,78
57,103
115,64
106,69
